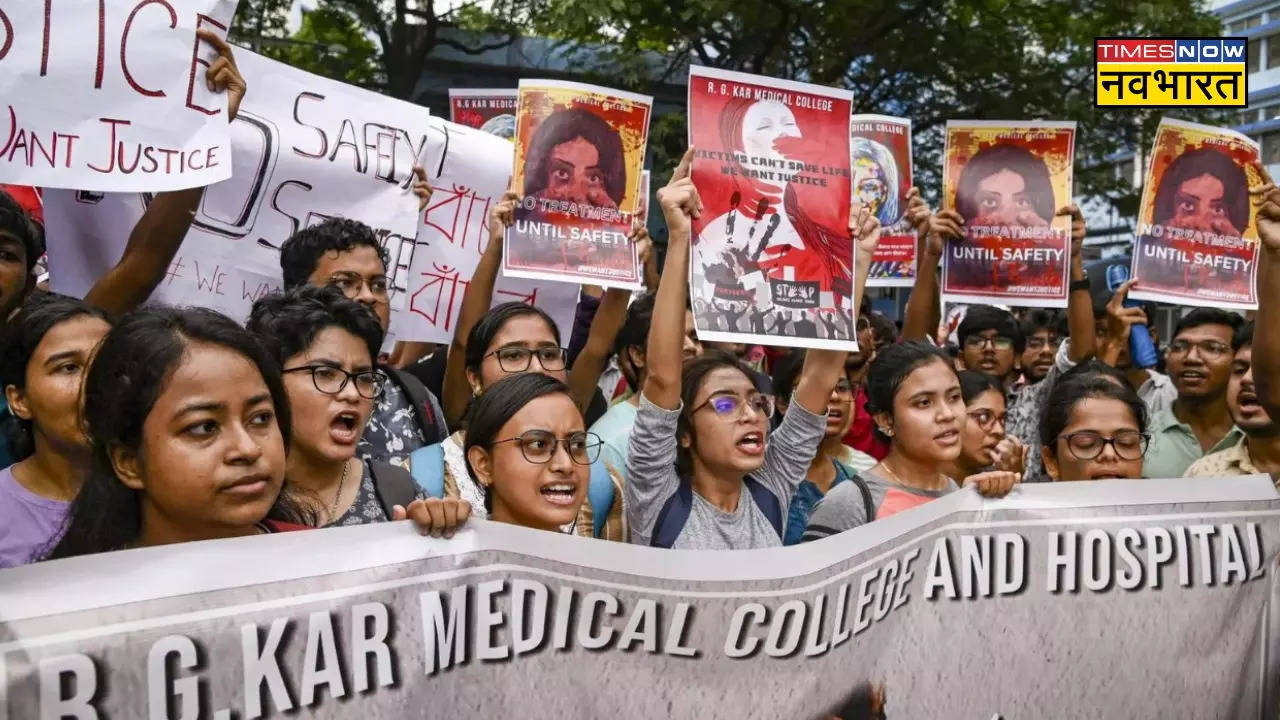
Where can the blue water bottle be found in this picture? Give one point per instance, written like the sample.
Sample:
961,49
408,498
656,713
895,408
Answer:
1142,351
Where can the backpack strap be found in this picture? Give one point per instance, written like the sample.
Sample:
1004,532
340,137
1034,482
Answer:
393,485
766,501
600,495
673,515
427,466
868,505
420,398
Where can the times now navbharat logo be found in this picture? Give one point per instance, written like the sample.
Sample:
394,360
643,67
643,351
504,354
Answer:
1171,72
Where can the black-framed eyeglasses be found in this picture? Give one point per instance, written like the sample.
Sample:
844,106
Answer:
539,446
516,359
986,419
999,342
1210,349
331,380
734,406
1087,444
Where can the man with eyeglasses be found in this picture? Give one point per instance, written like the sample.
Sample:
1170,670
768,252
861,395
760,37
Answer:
347,255
1259,451
1198,422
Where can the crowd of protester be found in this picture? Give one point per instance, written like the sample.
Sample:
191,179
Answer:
131,425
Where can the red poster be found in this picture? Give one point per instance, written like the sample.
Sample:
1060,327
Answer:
1197,240
772,259
493,111
880,161
1008,179
579,157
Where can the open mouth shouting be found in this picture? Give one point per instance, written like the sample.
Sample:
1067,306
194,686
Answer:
344,428
751,443
561,493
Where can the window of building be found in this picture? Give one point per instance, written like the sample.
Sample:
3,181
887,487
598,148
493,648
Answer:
1255,55
1125,170
1247,117
1243,24
1271,148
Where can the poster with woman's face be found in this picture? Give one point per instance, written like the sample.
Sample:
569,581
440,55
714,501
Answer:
772,258
880,161
1008,179
492,111
579,155
1197,243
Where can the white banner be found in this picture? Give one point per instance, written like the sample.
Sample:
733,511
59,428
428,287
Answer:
1116,599
306,149
469,170
111,95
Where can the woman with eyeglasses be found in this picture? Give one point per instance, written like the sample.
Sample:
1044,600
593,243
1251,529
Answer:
917,401
326,345
1094,426
703,470
983,442
492,343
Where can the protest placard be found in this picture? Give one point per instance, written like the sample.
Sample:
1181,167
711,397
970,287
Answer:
111,95
1130,598
881,165
772,258
468,170
306,149
579,153
1008,179
1197,239
493,111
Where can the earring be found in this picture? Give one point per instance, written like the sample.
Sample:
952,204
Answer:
887,431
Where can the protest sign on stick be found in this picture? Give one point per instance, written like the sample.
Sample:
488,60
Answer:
468,170
111,95
493,111
1197,238
306,149
772,258
1063,601
882,175
579,153
1008,179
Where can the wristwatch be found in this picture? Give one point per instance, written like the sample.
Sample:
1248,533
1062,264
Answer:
1081,284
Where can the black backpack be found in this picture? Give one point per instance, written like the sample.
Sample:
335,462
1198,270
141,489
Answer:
675,511
432,426
393,485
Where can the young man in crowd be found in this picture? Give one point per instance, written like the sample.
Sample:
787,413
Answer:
1043,331
346,254
1259,451
614,427
862,432
1114,327
1198,421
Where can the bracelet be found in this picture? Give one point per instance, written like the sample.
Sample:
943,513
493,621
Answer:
1081,284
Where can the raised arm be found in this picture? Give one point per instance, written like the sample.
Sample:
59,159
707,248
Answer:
475,303
159,233
1266,336
665,351
822,368
920,319
1080,325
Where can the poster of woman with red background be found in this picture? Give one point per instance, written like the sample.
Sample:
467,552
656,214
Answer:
1197,243
1007,179
772,256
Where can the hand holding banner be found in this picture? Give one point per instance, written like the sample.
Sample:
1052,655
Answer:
129,112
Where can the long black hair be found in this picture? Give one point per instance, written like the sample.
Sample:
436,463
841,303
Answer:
1091,380
41,313
1193,164
564,126
989,161
130,372
500,403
